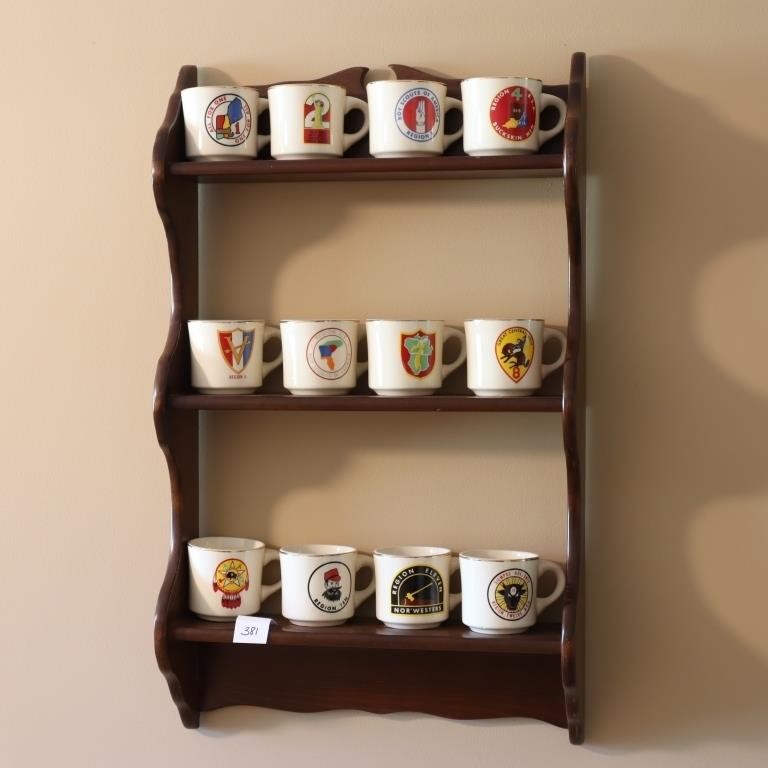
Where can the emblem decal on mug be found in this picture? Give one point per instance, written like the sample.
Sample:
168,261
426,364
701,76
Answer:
236,346
317,119
514,352
417,351
330,587
329,353
230,578
509,594
417,114
417,590
513,113
228,120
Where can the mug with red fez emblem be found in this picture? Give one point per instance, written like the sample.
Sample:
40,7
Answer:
502,115
405,357
319,583
225,576
407,118
227,355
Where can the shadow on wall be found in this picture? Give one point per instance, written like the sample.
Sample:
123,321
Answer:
672,188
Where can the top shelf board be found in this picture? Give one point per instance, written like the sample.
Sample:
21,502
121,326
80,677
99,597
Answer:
373,169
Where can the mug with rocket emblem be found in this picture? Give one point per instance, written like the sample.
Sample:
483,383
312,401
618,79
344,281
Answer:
502,115
500,590
319,583
228,355
225,576
220,122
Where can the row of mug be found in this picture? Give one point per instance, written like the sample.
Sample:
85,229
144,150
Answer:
499,592
404,118
405,357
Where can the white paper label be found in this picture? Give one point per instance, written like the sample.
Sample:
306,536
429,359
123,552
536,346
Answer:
251,629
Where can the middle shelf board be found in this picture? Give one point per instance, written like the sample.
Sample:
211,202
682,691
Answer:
543,639
371,403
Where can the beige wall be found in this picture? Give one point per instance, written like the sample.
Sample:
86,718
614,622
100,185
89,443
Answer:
678,657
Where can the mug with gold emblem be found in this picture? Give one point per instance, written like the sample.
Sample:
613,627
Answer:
505,357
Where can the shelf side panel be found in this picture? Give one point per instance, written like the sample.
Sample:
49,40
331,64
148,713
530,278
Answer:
177,431
574,398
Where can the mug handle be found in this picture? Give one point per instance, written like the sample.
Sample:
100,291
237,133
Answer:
264,139
348,139
454,333
455,598
543,602
548,100
451,103
268,367
362,366
553,333
361,595
270,589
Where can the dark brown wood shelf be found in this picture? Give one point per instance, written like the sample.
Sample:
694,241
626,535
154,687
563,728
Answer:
368,403
369,633
362,664
373,169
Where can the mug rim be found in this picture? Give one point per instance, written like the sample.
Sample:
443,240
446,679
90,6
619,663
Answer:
411,551
323,321
225,544
406,80
498,555
218,322
305,550
306,84
502,77
505,320
219,87
396,320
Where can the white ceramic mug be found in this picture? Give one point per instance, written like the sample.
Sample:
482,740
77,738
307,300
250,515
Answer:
320,356
227,355
408,118
405,357
307,120
225,576
412,586
319,583
220,122
504,357
499,590
502,115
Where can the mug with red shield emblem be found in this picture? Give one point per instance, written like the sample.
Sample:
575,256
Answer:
225,576
502,115
405,357
408,118
228,355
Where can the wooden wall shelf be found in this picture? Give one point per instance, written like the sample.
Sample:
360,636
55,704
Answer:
360,665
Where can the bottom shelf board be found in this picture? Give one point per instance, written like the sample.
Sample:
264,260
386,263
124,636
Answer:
543,639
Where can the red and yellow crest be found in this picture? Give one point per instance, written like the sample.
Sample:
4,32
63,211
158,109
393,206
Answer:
514,352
